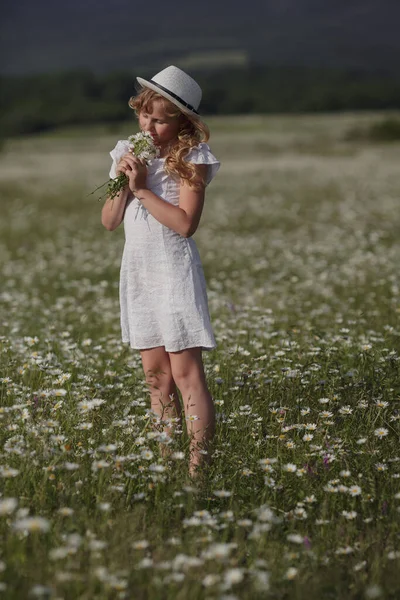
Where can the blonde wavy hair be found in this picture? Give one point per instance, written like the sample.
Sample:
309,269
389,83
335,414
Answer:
192,131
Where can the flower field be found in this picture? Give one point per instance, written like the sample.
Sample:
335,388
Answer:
300,245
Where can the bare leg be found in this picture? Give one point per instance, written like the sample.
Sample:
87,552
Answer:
163,393
188,373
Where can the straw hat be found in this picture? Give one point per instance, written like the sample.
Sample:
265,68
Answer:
177,86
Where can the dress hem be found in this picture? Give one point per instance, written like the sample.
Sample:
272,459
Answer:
205,348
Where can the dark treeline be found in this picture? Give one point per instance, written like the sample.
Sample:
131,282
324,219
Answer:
36,103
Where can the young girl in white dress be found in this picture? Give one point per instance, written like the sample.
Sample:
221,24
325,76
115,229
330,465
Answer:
163,298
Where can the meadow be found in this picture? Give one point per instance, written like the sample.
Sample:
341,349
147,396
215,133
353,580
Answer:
300,245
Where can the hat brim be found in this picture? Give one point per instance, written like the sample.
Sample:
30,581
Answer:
149,84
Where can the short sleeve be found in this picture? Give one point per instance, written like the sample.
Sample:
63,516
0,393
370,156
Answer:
120,149
202,155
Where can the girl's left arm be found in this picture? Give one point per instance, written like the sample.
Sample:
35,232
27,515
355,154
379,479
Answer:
185,218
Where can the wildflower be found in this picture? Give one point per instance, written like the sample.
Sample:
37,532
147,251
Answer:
210,580
266,514
191,418
145,563
311,426
100,464
32,524
373,591
218,551
381,432
291,573
141,145
344,550
222,493
244,522
59,393
300,513
330,488
147,454
310,499
381,467
361,441
65,511
354,490
360,565
233,576
345,473
349,515
267,461
261,581
295,538
140,545
60,553
157,468
8,472
247,472
325,414
307,437
97,545
267,468
178,455
381,404
40,591
70,466
7,506
290,468
269,482
85,426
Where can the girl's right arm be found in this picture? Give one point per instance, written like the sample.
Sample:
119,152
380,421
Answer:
113,210
112,213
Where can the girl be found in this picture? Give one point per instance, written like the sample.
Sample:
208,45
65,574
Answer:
163,298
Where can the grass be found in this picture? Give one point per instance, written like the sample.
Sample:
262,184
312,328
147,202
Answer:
299,241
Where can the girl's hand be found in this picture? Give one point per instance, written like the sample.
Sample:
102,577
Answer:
135,169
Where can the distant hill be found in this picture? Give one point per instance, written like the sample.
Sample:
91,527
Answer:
45,35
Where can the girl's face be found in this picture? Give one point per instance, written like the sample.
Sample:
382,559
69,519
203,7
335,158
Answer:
162,128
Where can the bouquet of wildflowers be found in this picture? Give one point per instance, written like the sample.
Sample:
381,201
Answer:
141,145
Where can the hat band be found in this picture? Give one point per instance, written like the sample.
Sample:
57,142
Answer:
189,106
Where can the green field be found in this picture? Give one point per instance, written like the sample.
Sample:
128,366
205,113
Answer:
300,244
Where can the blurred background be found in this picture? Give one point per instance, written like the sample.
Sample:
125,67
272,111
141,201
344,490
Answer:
73,63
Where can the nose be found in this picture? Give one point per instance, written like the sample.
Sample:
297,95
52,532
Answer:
148,126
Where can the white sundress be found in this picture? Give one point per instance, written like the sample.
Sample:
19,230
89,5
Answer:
162,289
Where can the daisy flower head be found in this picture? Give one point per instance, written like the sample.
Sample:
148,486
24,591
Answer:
290,468
349,515
381,432
7,506
32,524
291,573
296,538
222,493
